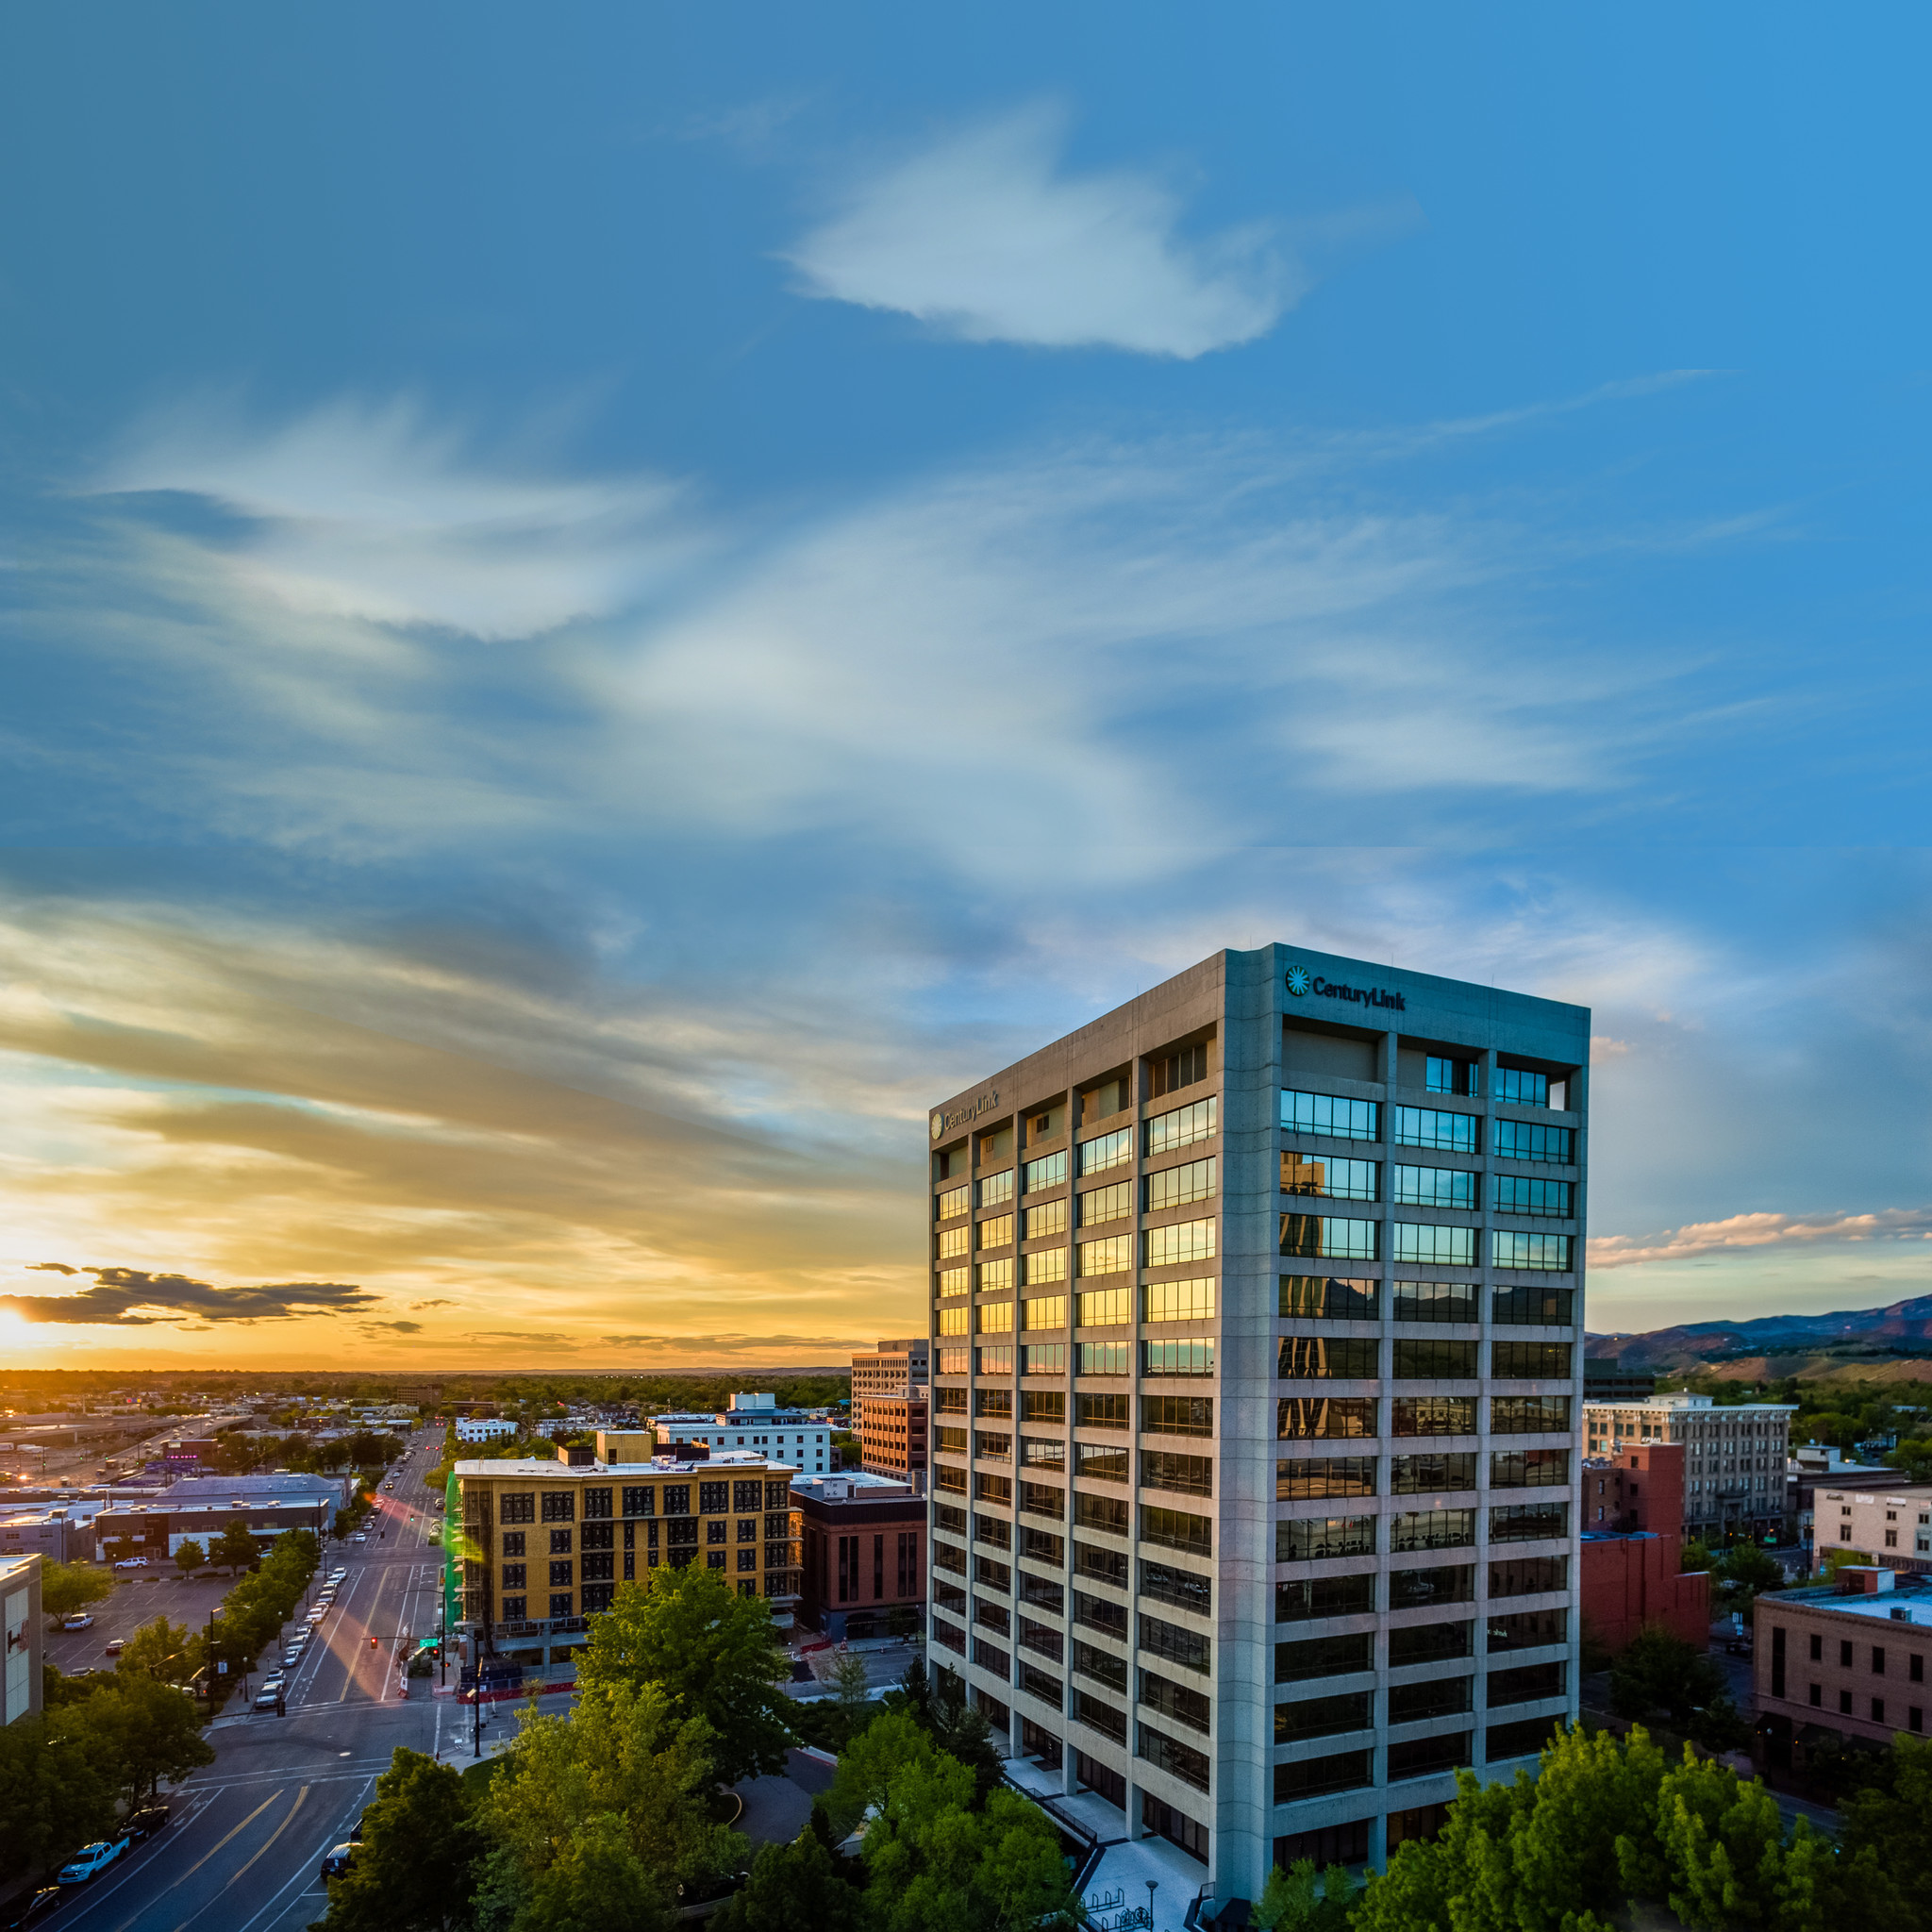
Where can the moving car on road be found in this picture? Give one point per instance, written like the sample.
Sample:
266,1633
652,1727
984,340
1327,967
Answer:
337,1860
91,1860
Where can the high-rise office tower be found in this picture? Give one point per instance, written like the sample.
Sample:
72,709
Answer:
1256,1308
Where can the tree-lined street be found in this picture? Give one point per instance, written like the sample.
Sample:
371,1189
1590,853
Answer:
244,1847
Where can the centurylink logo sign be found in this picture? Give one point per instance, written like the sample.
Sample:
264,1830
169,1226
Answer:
944,1122
1301,983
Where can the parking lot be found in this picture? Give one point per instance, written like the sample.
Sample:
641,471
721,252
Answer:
139,1596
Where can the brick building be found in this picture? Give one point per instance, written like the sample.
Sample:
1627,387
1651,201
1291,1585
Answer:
891,1436
864,1547
1848,1658
1633,1534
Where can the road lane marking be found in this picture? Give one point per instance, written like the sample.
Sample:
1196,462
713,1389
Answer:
245,1869
203,1859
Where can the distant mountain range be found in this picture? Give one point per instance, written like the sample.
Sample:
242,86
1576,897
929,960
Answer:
1784,1344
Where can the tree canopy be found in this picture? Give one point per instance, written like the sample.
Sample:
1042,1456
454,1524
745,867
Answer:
416,1868
713,1654
67,1588
1607,1822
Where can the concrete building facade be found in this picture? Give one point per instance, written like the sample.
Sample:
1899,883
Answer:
62,1535
892,1368
1256,1308
1734,1456
21,1686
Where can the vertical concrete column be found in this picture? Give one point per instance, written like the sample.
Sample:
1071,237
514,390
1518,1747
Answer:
1484,1308
1137,1329
1578,1098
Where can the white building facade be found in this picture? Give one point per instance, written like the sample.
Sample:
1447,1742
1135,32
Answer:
1734,1456
756,1421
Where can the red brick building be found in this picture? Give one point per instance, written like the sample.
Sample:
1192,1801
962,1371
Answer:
1633,1536
864,1552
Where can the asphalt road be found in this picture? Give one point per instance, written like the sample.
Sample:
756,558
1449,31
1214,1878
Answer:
243,1850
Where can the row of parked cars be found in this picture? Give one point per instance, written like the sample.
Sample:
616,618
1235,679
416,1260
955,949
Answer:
86,1866
274,1686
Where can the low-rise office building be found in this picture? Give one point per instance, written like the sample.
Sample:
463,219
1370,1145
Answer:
156,1530
20,1617
1847,1658
284,1486
64,1535
485,1428
755,1423
1734,1456
546,1542
1891,1527
892,1369
891,1431
864,1549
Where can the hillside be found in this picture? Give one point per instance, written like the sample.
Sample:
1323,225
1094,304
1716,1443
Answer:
1891,1343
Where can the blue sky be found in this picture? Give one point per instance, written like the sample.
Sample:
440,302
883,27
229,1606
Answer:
601,602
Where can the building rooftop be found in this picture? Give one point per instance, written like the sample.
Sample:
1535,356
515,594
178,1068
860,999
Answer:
1908,1601
849,1480
658,1465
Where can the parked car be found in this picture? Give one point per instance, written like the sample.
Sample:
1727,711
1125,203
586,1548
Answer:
358,1536
114,1647
79,1621
132,1563
31,1908
143,1824
89,1862
336,1861
267,1699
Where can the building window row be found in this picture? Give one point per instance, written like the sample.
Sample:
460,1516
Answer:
1355,1358
1310,1599
1330,1117
1330,1417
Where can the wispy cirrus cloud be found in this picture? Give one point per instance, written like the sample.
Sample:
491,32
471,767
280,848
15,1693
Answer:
985,236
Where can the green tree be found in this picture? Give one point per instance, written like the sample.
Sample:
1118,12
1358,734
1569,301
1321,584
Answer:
235,1548
890,1746
56,1791
190,1557
1721,1843
67,1588
1744,1574
713,1653
1886,1832
1301,1900
159,1649
1660,1676
794,1888
597,1816
417,1867
855,1683
1606,1825
934,1864
145,1730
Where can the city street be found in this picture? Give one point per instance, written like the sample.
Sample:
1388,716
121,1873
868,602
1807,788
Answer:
245,1849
